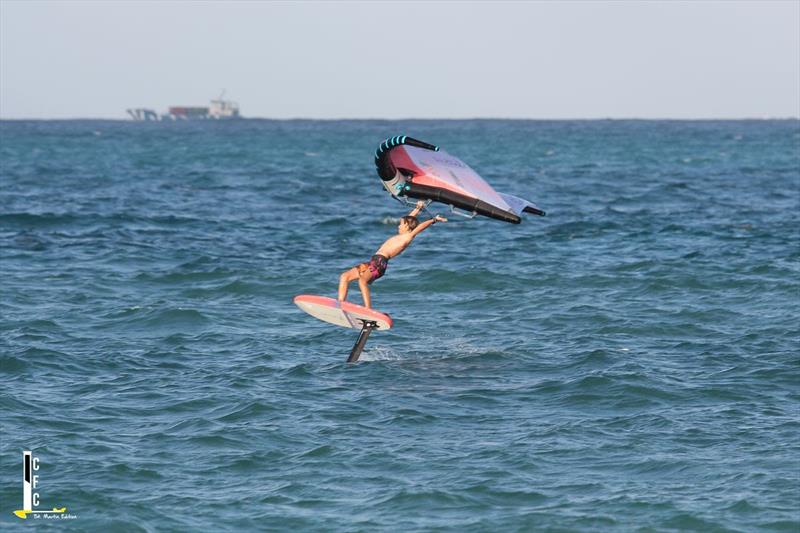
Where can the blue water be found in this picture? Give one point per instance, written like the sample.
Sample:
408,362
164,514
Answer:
632,360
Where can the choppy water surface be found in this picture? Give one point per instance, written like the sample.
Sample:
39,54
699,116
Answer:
631,360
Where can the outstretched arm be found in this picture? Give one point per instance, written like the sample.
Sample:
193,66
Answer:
420,206
425,225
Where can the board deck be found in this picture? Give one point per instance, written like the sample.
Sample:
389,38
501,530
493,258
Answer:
345,314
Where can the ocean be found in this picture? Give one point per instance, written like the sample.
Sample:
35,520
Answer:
630,362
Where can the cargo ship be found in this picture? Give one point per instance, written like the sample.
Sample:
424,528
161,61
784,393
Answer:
219,109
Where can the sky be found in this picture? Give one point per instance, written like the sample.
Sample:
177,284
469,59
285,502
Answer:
394,60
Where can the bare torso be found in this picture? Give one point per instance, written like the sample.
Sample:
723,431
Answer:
394,245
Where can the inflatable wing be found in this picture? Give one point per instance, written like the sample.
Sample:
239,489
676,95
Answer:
414,169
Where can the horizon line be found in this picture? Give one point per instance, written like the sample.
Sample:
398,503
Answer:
288,119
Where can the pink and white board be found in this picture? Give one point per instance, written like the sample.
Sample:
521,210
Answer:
345,314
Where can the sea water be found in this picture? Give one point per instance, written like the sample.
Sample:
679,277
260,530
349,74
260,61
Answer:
629,361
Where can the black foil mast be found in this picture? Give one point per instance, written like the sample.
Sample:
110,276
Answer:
369,325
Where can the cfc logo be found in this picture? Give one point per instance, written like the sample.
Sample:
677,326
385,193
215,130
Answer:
30,499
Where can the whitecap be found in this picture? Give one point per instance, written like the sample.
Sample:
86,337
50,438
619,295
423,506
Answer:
380,353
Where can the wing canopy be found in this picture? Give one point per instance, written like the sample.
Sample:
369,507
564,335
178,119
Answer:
420,170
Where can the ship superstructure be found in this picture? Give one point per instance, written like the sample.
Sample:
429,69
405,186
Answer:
220,109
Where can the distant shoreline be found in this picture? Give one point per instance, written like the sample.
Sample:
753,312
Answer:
474,119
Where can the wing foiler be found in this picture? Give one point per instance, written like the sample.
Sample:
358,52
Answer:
410,168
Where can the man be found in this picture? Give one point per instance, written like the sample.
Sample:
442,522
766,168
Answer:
408,228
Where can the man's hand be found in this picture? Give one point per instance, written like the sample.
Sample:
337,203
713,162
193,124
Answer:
419,207
439,218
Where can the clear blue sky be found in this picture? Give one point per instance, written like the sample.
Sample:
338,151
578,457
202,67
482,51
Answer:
454,59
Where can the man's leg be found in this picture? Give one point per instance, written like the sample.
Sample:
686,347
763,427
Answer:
363,284
344,281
